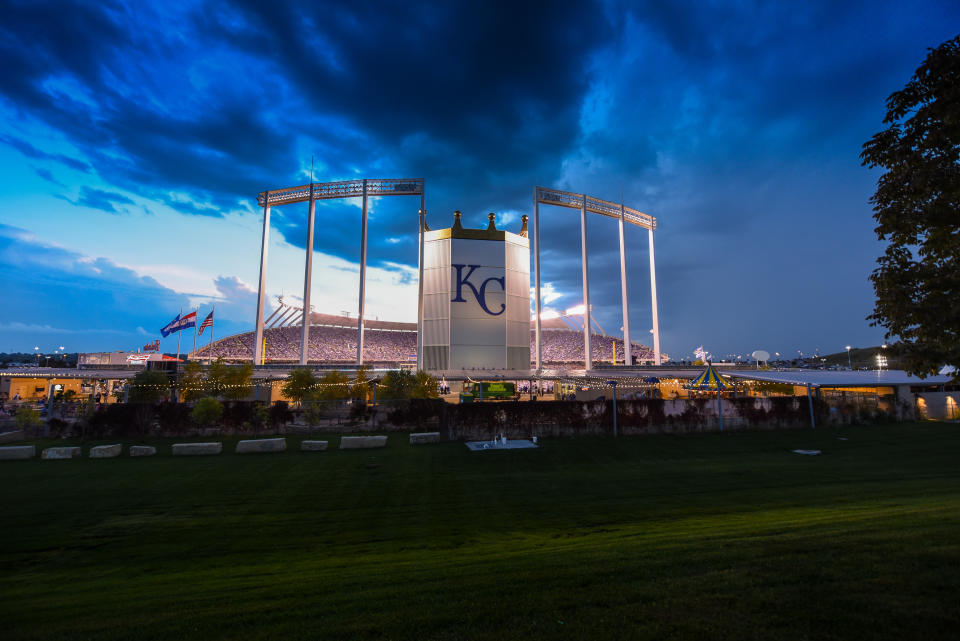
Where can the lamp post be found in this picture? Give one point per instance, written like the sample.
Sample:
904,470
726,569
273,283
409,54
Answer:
849,366
36,350
613,384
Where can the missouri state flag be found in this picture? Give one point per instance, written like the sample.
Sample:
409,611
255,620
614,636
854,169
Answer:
207,322
180,323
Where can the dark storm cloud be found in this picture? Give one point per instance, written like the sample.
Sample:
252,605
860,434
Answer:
474,78
230,100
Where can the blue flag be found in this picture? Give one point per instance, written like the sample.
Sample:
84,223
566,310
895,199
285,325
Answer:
172,326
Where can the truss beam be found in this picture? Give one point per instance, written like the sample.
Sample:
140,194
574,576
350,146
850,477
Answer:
343,189
570,200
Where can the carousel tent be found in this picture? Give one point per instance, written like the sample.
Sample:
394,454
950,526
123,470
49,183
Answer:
711,381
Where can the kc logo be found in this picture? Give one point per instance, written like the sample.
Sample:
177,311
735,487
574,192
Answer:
480,294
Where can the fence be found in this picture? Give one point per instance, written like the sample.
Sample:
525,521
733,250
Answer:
468,421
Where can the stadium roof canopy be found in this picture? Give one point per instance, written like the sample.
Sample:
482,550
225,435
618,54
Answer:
827,378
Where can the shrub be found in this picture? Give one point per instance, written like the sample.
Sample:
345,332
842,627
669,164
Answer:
207,411
27,418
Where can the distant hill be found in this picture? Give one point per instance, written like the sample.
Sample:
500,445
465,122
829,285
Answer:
864,357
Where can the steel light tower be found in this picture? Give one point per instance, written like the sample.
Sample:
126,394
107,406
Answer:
623,214
362,188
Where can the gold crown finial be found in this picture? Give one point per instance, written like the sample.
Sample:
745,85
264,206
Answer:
492,226
523,230
456,220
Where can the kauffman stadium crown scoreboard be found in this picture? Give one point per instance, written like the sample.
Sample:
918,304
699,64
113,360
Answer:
476,298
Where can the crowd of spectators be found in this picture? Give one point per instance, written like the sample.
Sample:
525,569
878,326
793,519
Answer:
562,346
331,344
339,345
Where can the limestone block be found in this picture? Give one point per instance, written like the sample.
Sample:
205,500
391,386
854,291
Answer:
313,446
17,452
196,449
423,438
106,451
12,437
142,450
55,453
255,446
362,442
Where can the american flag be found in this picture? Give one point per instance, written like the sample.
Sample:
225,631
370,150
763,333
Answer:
207,322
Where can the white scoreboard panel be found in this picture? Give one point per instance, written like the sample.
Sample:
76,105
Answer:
476,299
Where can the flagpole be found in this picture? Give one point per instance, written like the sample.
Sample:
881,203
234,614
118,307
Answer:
178,335
212,321
195,328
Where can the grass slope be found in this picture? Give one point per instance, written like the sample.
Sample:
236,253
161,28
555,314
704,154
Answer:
708,536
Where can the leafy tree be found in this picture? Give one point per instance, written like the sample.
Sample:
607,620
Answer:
917,209
148,386
192,382
396,384
333,386
207,411
299,384
218,374
402,384
237,382
425,386
361,386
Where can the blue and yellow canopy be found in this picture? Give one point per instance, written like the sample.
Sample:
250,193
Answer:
710,380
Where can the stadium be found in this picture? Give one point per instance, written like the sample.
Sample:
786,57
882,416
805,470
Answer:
391,345
479,302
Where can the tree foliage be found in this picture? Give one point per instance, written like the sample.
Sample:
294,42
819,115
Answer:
148,386
207,411
232,382
361,386
332,386
917,209
192,382
400,384
299,384
237,382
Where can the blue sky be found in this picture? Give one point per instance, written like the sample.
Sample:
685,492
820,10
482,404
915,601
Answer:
135,136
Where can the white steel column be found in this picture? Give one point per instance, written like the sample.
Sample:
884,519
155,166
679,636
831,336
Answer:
536,278
653,302
308,273
363,274
625,301
587,360
264,244
423,224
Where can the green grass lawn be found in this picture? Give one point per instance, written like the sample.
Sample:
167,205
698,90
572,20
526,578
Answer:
714,536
